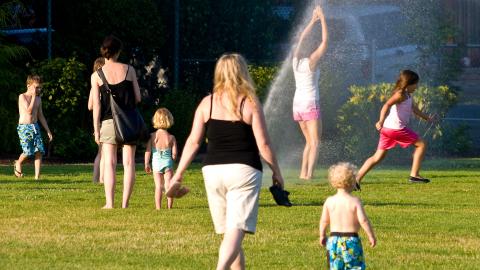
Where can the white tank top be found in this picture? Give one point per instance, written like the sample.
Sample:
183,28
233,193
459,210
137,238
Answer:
306,81
399,115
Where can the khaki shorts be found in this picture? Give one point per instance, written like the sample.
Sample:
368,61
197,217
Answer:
233,191
107,132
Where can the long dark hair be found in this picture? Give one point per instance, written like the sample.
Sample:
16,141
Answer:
406,78
111,46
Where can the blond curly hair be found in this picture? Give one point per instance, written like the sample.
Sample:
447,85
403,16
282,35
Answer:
162,119
342,175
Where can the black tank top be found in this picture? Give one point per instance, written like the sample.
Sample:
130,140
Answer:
231,142
122,94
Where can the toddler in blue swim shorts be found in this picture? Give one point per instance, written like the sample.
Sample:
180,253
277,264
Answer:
345,215
162,149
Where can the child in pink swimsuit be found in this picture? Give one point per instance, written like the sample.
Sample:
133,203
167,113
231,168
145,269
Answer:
393,128
306,102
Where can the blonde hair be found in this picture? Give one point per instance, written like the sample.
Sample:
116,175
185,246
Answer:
162,119
98,64
342,175
33,78
232,78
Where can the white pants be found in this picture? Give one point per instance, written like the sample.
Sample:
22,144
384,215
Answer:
233,191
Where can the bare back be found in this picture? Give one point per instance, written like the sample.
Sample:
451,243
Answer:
343,211
24,105
161,139
220,111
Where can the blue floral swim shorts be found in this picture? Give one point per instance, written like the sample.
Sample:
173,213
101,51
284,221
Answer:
30,139
345,251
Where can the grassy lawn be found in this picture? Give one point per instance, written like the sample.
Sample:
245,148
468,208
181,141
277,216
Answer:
57,223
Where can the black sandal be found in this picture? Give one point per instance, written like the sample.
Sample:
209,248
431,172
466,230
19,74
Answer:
16,172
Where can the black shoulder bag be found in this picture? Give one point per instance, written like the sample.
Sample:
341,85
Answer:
129,124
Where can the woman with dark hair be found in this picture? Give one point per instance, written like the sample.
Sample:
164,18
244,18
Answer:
306,102
122,81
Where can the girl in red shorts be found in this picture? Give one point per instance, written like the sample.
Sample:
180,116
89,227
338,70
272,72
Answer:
393,128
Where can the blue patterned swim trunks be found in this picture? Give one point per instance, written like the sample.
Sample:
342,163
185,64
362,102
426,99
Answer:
345,251
30,139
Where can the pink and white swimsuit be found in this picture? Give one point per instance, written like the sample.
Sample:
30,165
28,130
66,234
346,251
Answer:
395,130
306,101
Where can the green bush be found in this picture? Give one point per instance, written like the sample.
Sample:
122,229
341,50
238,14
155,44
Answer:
357,117
263,77
182,104
64,99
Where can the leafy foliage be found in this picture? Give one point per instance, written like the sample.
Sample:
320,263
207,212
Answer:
11,82
64,99
263,77
182,104
357,117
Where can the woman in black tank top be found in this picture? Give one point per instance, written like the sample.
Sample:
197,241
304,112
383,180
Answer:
123,83
232,120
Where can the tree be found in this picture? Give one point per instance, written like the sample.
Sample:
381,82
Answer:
11,80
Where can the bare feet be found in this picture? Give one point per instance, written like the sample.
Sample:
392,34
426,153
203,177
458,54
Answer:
107,207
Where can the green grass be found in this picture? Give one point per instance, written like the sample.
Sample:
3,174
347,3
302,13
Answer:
57,223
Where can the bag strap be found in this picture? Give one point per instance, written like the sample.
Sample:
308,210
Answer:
104,80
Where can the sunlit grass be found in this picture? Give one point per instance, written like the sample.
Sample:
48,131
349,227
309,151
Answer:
57,223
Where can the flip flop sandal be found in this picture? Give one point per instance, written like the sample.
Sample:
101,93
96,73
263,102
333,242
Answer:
176,190
17,173
182,192
173,189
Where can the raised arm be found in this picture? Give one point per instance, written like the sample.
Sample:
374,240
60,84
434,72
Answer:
394,99
322,48
263,142
305,32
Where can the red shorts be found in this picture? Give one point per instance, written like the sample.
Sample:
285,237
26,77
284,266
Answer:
389,138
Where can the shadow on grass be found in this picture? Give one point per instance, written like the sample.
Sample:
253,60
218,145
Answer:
399,204
43,181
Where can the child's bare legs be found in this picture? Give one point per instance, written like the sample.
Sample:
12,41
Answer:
311,131
96,166
110,164
370,163
231,253
168,175
159,184
420,147
18,163
128,172
38,164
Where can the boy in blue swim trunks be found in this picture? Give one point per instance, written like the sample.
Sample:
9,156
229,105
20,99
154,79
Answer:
346,215
30,111
164,148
